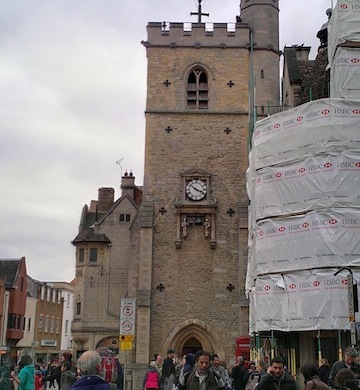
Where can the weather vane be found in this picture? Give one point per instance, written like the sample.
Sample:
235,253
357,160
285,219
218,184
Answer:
199,13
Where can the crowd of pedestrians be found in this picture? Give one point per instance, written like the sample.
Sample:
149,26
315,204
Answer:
200,371
205,371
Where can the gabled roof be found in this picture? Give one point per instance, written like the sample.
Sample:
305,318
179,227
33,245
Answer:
9,271
90,217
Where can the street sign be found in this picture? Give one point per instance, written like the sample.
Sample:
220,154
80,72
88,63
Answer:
126,345
127,317
128,337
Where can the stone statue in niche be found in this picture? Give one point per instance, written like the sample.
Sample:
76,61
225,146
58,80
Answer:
184,225
206,225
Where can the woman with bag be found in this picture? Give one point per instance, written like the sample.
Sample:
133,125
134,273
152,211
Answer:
311,377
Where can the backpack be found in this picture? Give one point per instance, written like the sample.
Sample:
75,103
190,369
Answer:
109,369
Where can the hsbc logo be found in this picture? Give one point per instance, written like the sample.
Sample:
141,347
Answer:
343,6
292,286
347,111
281,229
350,221
258,180
316,114
257,133
331,282
272,176
271,127
345,60
298,226
344,282
324,222
317,167
263,288
260,233
293,121
316,283
346,164
292,172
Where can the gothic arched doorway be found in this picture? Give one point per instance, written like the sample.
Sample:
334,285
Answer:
192,345
193,335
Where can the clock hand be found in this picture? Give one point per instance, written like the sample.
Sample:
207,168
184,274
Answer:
198,190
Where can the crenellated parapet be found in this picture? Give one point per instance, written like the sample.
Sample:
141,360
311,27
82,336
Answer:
197,35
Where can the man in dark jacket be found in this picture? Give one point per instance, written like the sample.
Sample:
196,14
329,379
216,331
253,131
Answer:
239,374
168,370
276,378
347,362
89,364
201,377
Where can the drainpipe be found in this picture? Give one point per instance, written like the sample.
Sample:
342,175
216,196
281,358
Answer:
251,89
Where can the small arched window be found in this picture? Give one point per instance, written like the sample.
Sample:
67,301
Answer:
197,89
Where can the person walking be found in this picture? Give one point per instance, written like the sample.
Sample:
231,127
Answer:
311,377
201,377
168,370
276,378
324,370
348,362
89,366
152,377
238,374
26,378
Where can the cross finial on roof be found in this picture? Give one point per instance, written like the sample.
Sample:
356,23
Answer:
199,13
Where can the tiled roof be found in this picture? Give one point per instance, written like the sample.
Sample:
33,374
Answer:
9,271
88,235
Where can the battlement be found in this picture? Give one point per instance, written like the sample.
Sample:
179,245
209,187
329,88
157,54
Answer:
197,34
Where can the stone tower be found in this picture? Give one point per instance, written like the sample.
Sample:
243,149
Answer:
193,244
178,246
263,18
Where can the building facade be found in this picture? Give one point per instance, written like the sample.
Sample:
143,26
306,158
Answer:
13,272
178,246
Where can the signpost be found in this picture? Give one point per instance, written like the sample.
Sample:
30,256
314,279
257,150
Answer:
127,327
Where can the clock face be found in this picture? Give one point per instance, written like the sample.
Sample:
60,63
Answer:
196,189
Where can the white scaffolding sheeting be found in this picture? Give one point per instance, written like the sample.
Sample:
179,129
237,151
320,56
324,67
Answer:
345,74
343,26
308,300
324,180
320,126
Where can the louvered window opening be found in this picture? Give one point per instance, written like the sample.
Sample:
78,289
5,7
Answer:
197,90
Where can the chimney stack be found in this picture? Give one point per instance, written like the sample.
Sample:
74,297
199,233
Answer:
105,199
128,185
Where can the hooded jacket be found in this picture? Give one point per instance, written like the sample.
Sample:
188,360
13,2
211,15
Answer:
27,377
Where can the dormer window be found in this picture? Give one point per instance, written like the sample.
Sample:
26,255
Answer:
197,89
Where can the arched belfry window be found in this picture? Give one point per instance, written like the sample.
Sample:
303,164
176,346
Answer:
197,89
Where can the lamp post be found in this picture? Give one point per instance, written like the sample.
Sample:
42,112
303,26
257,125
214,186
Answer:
353,302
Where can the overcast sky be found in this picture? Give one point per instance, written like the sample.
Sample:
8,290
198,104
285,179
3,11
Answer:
72,101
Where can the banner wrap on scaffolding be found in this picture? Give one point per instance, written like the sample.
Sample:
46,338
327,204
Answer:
303,301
